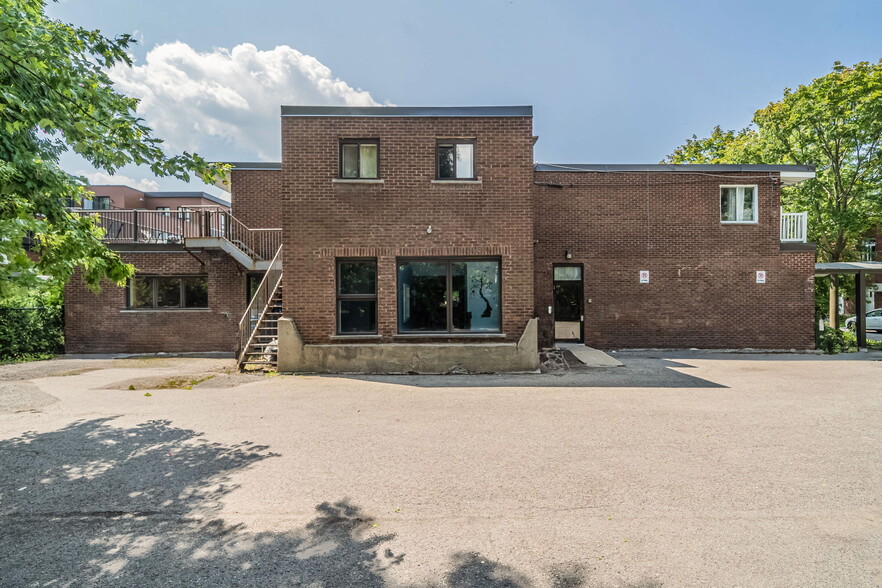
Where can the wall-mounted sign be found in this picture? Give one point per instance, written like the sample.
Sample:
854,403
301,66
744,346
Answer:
644,276
760,277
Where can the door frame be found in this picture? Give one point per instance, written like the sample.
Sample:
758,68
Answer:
581,267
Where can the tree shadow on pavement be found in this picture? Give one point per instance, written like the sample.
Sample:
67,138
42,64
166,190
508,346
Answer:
97,504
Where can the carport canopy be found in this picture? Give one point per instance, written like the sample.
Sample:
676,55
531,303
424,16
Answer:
860,269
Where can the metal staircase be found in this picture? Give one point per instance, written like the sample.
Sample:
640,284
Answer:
259,326
195,228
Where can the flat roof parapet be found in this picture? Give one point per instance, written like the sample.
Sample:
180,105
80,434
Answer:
670,167
409,111
254,165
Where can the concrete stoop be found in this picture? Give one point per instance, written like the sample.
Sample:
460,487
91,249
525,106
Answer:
589,356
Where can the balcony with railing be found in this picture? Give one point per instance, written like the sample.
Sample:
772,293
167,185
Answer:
202,227
794,227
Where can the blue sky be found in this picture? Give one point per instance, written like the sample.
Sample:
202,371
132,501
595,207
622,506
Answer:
610,82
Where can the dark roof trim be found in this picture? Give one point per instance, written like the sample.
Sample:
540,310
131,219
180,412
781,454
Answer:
665,167
408,111
204,195
252,165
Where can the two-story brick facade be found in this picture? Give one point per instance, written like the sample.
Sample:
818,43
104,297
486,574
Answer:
426,240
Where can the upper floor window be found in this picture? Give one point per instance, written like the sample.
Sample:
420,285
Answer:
360,159
456,159
164,209
168,292
868,250
101,203
738,204
184,213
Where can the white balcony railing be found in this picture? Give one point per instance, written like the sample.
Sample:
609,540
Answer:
794,227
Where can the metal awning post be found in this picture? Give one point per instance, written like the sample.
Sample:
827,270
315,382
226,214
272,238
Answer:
860,309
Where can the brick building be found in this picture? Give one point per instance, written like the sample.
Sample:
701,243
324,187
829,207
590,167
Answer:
426,239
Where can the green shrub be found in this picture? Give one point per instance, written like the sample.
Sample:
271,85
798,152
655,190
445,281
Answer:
30,332
836,341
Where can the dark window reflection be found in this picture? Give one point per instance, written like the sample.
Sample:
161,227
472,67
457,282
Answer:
357,296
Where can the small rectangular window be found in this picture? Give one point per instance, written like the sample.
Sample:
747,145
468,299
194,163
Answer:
165,210
356,296
456,159
168,292
738,204
101,203
360,159
184,213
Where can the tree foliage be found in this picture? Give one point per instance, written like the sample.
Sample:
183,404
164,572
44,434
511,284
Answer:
833,123
55,96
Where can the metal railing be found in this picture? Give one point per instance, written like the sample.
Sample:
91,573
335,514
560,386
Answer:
259,304
794,227
165,226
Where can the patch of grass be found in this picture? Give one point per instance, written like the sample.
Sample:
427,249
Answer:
26,357
182,383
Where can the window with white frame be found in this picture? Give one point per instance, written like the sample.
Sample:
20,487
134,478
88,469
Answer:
738,204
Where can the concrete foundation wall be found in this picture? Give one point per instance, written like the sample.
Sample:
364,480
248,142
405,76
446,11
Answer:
402,358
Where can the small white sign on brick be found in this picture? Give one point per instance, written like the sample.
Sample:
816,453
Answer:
644,276
760,276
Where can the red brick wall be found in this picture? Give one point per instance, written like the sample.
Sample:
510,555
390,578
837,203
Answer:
324,220
120,196
256,197
702,290
100,323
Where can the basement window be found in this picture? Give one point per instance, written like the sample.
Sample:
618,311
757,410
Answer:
167,292
356,296
359,159
456,159
738,204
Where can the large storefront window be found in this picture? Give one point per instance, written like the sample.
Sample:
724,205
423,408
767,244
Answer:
449,295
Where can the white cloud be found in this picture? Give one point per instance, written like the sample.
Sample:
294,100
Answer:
98,178
190,98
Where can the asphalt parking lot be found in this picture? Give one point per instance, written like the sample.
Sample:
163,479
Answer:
678,469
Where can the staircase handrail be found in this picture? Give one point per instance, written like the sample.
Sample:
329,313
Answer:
262,298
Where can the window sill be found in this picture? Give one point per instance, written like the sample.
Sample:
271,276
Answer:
739,222
449,336
478,181
355,181
356,336
137,310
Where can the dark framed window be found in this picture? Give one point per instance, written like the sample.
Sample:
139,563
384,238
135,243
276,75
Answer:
165,210
101,203
167,292
360,159
449,295
252,282
356,296
455,159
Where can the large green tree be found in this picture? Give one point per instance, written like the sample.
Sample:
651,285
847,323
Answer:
56,96
833,123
